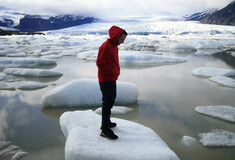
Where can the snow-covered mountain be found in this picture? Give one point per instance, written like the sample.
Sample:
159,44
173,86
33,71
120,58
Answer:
199,15
33,23
225,16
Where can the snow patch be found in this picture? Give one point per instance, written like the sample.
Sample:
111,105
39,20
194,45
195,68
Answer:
82,129
86,93
223,112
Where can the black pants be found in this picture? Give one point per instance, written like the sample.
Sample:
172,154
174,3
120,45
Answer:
108,90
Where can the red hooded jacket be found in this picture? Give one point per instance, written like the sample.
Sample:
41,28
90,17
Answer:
107,60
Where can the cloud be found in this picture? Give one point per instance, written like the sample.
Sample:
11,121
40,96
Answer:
113,8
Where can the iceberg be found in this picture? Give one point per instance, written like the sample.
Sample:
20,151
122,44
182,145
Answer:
9,151
135,142
188,141
218,138
31,72
86,93
4,86
30,85
209,72
222,80
8,78
19,54
224,112
116,110
25,62
182,47
135,57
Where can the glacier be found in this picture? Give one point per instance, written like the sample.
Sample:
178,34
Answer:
82,128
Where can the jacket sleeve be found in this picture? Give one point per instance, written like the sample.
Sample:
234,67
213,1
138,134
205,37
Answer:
104,61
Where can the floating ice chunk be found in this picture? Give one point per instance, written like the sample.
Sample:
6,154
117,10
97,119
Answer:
209,72
135,57
19,155
9,151
31,72
49,53
3,76
182,47
223,112
116,110
86,93
4,86
52,56
217,138
25,62
30,85
137,142
188,141
225,81
207,51
8,78
4,52
233,54
19,54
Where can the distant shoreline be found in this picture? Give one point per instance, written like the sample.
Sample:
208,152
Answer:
9,33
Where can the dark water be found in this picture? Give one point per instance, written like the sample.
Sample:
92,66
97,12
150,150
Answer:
167,98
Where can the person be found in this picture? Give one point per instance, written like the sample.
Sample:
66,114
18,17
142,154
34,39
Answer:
108,72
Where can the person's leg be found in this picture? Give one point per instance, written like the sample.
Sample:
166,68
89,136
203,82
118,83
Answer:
108,90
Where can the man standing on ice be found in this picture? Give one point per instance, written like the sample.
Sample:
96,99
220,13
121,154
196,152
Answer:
108,72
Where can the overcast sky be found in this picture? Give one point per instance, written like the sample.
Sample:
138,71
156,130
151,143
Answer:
113,8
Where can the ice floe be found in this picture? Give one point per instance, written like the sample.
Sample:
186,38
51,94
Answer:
135,57
32,72
8,78
9,151
19,54
82,129
218,138
4,86
182,47
30,85
116,110
188,141
86,93
224,81
209,72
25,62
223,112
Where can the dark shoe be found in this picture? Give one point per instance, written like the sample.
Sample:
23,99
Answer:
108,133
111,125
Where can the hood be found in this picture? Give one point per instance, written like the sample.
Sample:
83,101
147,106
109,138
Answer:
114,34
